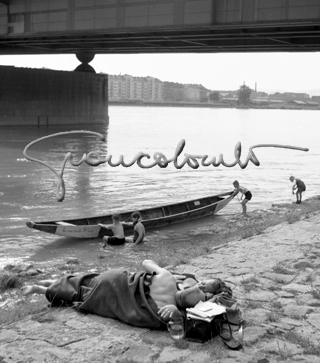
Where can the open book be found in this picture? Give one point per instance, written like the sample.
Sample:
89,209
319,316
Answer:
205,311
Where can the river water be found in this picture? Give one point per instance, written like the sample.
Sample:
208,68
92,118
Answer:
27,189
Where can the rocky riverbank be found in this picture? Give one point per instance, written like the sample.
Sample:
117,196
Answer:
274,273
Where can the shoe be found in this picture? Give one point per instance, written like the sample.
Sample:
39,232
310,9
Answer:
232,344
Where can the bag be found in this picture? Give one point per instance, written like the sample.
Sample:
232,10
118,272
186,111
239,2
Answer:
201,331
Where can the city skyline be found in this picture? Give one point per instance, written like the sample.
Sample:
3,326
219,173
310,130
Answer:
271,72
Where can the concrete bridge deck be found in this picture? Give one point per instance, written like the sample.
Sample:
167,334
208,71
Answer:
158,26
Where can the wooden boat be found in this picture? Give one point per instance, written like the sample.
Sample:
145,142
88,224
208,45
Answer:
151,218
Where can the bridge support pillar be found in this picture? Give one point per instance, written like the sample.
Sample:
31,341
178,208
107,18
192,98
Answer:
85,59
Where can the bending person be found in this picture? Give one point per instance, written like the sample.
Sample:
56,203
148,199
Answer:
148,298
247,196
298,185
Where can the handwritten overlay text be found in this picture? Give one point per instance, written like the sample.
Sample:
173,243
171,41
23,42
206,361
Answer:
93,158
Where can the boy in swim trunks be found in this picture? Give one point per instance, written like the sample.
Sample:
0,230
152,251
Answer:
118,232
298,185
138,229
247,196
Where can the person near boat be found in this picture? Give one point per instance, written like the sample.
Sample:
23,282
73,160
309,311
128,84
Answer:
118,232
245,192
148,298
299,186
138,229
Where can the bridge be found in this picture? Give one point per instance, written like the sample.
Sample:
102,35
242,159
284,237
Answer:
88,27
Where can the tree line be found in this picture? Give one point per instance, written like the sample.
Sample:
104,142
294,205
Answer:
244,93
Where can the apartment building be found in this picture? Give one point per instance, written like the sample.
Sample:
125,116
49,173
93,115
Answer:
126,87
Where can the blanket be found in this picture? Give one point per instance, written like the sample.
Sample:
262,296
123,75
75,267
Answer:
116,294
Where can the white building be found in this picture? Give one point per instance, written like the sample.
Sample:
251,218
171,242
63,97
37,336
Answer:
126,87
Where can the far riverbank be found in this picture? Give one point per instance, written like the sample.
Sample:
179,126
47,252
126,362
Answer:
212,105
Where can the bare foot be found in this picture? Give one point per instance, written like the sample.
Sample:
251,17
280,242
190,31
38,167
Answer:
34,289
27,290
46,283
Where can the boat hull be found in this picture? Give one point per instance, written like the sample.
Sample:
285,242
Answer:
151,218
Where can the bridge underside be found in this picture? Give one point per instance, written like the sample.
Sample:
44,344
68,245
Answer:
297,37
158,26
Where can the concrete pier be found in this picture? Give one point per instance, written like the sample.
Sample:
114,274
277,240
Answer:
45,97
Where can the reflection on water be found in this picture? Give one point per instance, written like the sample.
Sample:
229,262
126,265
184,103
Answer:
27,189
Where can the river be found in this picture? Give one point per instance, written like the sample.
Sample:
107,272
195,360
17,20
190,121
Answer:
27,189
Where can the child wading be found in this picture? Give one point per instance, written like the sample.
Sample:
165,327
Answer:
247,196
298,185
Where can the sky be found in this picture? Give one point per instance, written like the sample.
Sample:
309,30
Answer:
269,72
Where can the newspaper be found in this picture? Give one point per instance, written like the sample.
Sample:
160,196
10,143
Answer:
205,311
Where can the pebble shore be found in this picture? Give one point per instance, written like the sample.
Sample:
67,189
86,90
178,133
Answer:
275,277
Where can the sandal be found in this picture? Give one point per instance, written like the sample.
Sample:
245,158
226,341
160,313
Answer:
232,344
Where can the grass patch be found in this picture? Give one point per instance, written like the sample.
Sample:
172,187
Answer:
302,265
310,278
250,280
21,310
9,281
279,280
276,305
295,316
280,269
253,304
249,283
315,293
284,351
292,217
305,343
249,232
273,316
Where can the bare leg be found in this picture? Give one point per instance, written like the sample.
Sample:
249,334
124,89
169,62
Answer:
129,240
105,240
46,283
34,289
244,207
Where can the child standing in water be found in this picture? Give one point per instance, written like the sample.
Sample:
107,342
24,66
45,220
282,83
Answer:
247,196
300,186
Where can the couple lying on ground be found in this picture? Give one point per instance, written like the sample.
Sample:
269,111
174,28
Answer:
148,298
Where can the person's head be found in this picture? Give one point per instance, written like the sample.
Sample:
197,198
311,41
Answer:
136,216
115,217
236,184
212,286
190,297
291,178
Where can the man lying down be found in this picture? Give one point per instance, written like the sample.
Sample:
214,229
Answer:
147,299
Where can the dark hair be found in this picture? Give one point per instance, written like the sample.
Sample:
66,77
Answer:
116,216
136,215
235,182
